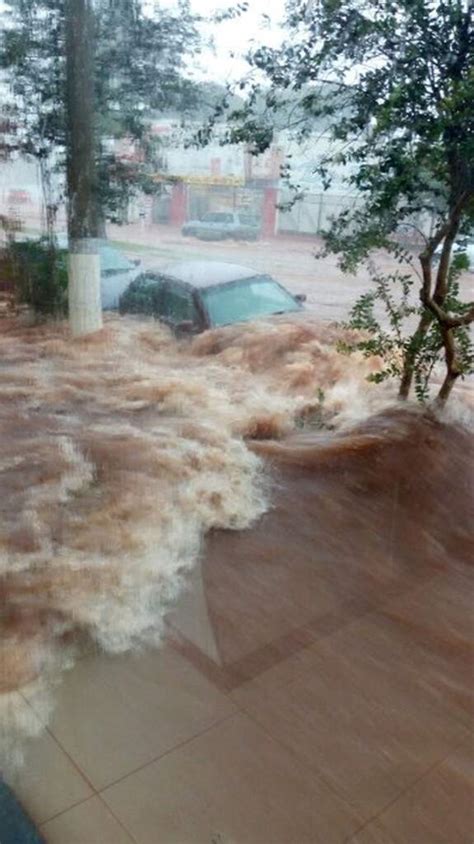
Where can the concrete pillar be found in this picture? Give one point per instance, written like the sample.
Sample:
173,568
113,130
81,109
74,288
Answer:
269,212
177,214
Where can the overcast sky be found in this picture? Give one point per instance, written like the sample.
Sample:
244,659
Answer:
237,35
231,37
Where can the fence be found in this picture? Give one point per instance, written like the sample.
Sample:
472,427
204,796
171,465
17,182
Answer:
312,214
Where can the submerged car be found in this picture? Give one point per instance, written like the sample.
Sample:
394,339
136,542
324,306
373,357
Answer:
194,296
116,270
220,225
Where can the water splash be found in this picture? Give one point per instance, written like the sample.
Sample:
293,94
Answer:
119,452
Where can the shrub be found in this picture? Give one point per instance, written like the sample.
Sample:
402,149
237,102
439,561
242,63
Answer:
37,273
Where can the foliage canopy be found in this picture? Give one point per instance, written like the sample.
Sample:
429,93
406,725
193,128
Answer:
392,84
139,68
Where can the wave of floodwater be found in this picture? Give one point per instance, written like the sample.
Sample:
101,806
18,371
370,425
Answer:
119,452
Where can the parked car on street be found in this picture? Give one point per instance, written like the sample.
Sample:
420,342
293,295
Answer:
220,225
194,296
116,270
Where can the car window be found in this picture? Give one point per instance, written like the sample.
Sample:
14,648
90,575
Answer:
147,281
248,220
113,260
247,299
218,217
143,296
178,304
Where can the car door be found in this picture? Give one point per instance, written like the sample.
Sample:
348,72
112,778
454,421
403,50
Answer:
222,225
179,309
143,296
208,225
116,273
229,224
248,227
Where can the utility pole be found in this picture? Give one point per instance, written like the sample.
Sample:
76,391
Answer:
85,309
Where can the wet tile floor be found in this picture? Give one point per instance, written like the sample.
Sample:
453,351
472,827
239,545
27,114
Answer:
292,702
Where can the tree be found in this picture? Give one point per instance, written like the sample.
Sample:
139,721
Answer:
85,311
139,68
399,109
81,75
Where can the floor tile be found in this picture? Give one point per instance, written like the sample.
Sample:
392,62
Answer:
369,742
47,782
433,629
439,809
374,834
243,606
89,823
114,714
394,674
282,673
311,539
233,785
295,572
256,588
251,666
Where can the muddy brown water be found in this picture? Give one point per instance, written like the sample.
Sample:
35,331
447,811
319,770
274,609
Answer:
394,494
120,454
356,519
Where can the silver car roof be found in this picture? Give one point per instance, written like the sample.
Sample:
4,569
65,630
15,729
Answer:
207,273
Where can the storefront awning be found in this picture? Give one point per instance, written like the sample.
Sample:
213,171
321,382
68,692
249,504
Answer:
218,181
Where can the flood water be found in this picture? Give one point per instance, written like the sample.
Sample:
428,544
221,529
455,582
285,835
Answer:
128,460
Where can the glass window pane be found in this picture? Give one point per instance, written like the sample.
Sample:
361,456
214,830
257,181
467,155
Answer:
178,305
111,259
247,299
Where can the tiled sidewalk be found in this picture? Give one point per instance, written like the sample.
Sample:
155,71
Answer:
295,702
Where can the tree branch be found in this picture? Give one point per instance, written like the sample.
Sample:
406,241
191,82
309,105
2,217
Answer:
446,319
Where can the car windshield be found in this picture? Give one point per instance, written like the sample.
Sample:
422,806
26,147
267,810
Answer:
217,217
247,299
112,259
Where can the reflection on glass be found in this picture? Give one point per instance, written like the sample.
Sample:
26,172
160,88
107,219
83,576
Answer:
246,300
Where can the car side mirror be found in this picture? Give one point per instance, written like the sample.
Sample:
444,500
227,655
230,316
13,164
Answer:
136,262
300,297
185,327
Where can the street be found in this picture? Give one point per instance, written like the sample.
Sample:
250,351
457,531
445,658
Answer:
290,259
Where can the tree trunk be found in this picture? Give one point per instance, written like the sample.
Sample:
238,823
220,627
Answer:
410,356
446,387
85,311
438,303
407,376
101,232
452,365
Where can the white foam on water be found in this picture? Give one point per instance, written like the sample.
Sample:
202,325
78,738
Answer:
119,452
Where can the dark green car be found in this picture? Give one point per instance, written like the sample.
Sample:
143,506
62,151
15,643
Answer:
194,296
